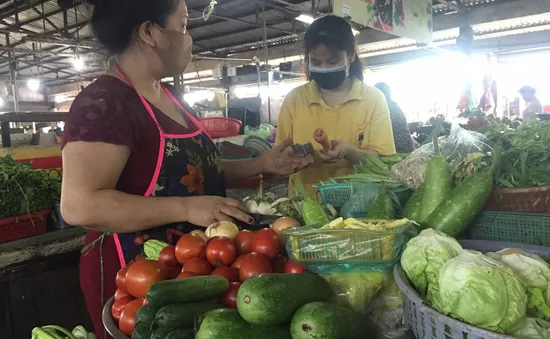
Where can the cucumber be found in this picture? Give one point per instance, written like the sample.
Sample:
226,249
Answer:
186,290
412,208
382,206
322,320
272,299
153,247
437,185
228,324
174,316
141,331
159,333
182,333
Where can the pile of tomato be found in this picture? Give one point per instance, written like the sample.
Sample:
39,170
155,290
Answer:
248,254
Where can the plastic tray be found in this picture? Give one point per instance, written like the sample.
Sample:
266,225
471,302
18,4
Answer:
521,200
23,226
427,323
526,228
108,322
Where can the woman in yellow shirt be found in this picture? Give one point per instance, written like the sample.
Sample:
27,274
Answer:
354,115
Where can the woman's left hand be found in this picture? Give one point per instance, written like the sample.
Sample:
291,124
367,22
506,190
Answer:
338,152
281,160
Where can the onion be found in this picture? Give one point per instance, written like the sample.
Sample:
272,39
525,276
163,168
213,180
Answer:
283,223
222,229
200,234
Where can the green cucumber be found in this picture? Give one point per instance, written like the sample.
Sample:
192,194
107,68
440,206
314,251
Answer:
141,332
322,320
228,324
437,185
412,208
187,290
159,333
272,299
382,206
182,333
144,319
153,247
174,316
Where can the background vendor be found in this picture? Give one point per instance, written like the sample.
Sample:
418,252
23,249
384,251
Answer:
533,106
354,115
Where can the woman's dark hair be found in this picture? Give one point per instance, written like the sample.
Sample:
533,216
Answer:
385,89
114,22
335,33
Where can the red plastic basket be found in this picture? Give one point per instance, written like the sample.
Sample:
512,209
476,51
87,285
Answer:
221,127
23,226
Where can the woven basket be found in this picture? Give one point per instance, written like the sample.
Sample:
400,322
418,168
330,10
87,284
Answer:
521,200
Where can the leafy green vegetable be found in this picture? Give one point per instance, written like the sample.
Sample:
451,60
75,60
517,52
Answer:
535,274
533,328
483,292
25,191
425,255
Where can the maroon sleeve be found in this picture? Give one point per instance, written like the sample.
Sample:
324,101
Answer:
100,113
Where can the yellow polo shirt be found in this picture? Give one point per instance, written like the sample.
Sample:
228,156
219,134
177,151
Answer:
362,120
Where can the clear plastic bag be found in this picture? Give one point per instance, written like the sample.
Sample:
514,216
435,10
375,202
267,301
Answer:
386,310
458,147
376,245
262,131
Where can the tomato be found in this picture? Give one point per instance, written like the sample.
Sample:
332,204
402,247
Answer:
267,242
189,246
119,305
142,275
121,279
292,267
279,264
128,316
119,294
243,242
229,273
221,251
140,258
237,263
173,272
254,264
168,256
184,275
229,298
200,266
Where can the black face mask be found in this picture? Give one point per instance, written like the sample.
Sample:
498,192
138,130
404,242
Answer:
328,78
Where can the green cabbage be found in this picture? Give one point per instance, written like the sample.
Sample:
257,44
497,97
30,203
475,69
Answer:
533,328
483,292
424,256
535,274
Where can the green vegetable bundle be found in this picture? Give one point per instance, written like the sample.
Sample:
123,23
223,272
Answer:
25,191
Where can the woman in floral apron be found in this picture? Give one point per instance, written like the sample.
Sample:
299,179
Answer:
136,161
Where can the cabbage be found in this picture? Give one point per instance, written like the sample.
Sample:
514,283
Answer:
535,274
425,255
483,292
533,328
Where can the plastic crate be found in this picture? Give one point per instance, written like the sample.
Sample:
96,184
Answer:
219,127
427,323
520,200
23,226
526,228
310,245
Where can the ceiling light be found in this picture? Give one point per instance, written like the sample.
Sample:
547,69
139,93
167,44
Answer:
1,102
305,18
78,64
33,84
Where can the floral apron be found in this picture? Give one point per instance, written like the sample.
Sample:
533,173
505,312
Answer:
187,165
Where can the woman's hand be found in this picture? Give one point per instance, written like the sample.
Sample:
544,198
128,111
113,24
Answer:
282,160
206,210
338,152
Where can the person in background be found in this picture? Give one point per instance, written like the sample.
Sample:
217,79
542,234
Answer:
534,106
401,133
137,164
355,116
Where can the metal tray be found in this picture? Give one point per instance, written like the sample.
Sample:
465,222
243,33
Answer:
108,322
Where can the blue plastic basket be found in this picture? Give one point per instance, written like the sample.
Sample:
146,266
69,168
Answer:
428,323
338,194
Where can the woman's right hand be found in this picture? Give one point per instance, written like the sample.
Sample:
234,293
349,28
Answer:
206,210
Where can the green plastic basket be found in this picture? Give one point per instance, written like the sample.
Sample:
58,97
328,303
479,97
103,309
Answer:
525,228
338,194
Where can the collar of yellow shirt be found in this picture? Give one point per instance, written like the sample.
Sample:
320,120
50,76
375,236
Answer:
314,95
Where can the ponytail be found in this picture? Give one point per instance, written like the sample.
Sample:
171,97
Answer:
356,68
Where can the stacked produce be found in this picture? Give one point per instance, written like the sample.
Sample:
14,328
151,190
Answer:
58,332
25,191
505,292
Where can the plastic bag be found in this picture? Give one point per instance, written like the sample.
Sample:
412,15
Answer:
386,310
359,203
459,146
262,131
